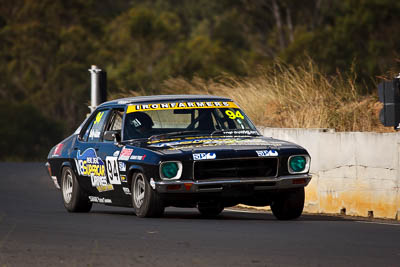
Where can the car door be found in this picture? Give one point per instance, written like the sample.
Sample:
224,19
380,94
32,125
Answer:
109,152
91,169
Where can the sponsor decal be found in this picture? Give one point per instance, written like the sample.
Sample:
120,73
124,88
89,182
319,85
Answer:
182,142
233,116
104,188
241,132
90,165
202,156
125,153
136,157
126,191
116,153
177,139
190,147
244,142
180,105
188,143
113,170
99,199
94,134
123,179
58,150
136,123
163,140
98,117
267,153
122,166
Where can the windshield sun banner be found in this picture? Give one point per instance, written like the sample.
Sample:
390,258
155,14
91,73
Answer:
180,105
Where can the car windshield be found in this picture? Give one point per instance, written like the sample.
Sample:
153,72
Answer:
159,120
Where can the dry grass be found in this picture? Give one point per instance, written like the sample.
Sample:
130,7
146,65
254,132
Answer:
292,97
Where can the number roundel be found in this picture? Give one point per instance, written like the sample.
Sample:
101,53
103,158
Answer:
232,115
112,170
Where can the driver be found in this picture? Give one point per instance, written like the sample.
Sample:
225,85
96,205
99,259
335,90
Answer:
137,124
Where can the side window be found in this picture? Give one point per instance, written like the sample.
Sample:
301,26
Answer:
116,121
93,131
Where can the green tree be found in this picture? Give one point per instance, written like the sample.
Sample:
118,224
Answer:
362,34
25,133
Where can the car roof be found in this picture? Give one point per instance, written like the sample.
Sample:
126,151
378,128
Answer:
160,98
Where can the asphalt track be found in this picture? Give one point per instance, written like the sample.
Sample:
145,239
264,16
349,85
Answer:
35,230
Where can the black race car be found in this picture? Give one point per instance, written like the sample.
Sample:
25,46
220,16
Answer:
199,151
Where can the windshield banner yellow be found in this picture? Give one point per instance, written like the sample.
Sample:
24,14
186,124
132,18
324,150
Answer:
180,105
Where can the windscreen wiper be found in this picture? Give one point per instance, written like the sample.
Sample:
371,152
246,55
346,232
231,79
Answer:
217,132
165,135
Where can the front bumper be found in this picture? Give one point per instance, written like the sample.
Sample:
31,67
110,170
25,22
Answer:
207,186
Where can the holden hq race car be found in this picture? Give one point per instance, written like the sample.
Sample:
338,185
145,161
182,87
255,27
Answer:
200,151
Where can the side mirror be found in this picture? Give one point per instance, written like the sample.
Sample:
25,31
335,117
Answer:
112,136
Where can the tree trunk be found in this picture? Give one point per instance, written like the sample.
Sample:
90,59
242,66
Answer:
289,24
317,15
278,21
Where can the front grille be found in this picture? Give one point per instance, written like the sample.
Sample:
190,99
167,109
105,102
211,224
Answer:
235,168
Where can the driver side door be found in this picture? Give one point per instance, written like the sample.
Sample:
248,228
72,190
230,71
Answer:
117,190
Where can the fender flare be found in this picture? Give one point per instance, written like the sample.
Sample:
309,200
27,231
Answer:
63,165
132,169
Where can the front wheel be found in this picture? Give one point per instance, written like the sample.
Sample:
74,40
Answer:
145,200
289,205
75,200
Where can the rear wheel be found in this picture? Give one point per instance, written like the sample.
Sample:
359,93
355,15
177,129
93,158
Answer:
145,200
210,211
289,205
75,200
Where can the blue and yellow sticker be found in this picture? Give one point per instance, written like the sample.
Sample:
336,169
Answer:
98,117
180,105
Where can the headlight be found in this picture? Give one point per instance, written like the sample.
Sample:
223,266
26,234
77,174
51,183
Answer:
170,170
298,164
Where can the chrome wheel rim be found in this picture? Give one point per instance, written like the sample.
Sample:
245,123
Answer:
67,186
139,190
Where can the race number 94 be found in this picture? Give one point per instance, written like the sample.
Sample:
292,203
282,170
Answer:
232,115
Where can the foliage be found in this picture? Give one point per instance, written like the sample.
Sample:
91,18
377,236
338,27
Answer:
360,32
293,97
25,133
47,46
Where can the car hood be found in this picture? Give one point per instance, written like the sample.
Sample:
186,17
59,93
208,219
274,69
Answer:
195,144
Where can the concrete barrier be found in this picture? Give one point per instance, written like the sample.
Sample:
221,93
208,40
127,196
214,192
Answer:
354,173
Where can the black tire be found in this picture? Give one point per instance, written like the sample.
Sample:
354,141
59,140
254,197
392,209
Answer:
210,211
289,205
145,200
75,200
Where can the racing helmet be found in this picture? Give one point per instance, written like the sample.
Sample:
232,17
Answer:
138,120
